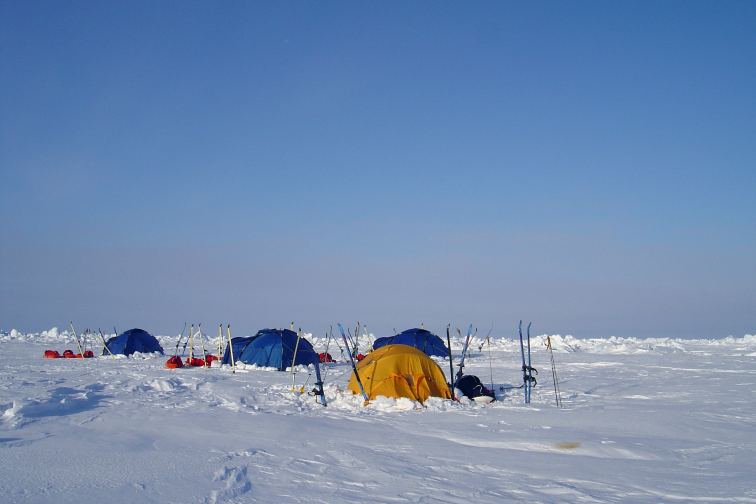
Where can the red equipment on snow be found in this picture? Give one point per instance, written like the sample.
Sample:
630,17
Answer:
52,354
325,357
209,358
68,354
174,362
360,357
195,362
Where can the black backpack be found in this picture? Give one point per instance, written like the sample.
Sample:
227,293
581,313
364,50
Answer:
472,387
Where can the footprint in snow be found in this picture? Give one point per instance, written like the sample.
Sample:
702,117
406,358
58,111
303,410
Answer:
236,482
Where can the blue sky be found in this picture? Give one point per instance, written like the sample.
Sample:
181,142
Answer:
589,166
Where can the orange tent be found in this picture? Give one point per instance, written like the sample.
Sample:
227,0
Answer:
400,371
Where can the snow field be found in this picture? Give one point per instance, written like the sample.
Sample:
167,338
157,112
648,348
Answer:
654,420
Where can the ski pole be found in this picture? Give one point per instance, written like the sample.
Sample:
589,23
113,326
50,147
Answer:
328,341
294,361
78,344
336,340
191,344
104,344
202,341
557,394
178,341
490,360
231,348
357,340
325,357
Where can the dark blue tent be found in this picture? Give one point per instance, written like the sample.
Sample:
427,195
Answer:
238,345
421,339
133,340
272,348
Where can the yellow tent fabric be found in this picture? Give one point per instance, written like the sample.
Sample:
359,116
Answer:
400,371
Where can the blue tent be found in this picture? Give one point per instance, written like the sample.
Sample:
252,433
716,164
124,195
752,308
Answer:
421,339
238,345
133,340
272,348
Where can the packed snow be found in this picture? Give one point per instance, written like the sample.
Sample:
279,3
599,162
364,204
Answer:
644,420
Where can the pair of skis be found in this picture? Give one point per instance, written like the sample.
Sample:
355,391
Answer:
354,366
528,380
461,364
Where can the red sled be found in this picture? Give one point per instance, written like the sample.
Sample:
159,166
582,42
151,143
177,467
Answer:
68,354
325,357
195,362
52,354
174,362
209,358
88,354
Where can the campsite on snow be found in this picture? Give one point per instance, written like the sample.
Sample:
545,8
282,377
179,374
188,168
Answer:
642,420
345,251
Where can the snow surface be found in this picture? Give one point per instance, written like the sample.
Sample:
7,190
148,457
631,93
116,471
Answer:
645,420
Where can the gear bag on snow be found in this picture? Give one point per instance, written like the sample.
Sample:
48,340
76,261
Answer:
472,387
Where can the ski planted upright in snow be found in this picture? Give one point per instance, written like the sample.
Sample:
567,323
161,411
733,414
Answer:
531,369
464,353
294,360
528,380
104,343
524,366
318,390
354,366
178,341
451,364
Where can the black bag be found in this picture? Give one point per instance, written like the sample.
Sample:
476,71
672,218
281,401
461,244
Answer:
472,387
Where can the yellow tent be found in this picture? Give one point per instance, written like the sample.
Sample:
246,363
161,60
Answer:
400,371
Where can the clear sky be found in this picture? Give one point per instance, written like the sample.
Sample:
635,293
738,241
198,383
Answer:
590,166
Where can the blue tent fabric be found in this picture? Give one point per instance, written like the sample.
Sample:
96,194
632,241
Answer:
275,348
133,340
238,345
421,339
